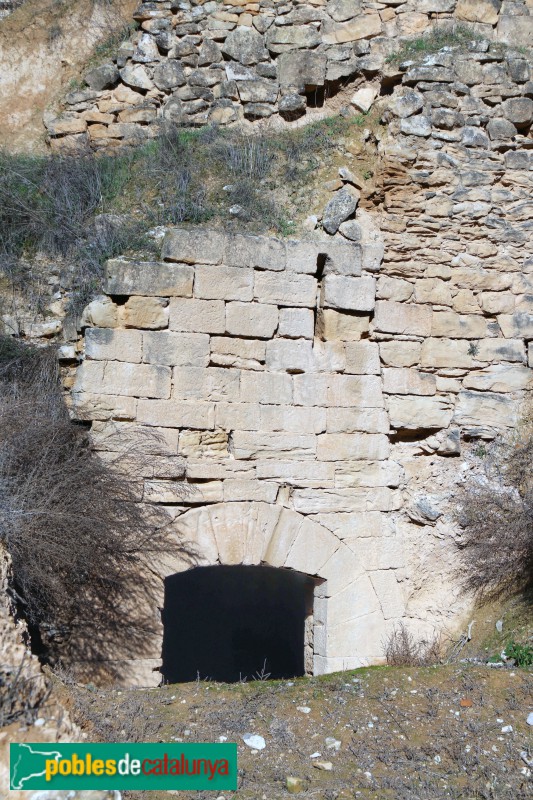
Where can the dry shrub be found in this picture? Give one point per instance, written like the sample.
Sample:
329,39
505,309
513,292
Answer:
23,693
402,649
497,521
80,542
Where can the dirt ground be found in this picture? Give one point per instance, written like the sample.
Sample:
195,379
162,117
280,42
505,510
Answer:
457,731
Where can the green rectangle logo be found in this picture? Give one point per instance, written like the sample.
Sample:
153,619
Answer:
123,766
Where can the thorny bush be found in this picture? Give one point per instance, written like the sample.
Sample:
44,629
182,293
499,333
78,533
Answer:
496,516
82,547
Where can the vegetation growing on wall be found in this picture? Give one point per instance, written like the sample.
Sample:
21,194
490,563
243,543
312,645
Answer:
79,542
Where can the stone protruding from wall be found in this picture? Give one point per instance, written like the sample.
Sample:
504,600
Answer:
194,64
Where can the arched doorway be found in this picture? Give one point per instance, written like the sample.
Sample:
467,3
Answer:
230,623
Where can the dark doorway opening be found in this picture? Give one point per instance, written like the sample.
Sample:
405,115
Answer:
231,623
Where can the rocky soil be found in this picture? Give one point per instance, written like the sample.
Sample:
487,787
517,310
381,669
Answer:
439,732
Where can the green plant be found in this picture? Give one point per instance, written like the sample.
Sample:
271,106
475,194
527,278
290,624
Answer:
521,653
458,36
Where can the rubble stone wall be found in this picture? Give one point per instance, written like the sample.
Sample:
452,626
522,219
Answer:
195,63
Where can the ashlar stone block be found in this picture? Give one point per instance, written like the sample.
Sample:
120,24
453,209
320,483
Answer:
458,326
353,420
176,414
107,344
352,474
176,349
485,409
223,283
148,278
400,354
293,419
360,391
296,323
251,445
362,358
255,251
342,325
419,413
256,320
269,388
352,447
289,355
145,312
391,317
213,383
286,289
197,316
120,378
193,246
408,381
310,389
352,294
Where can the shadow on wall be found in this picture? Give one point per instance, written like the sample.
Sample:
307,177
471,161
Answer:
231,623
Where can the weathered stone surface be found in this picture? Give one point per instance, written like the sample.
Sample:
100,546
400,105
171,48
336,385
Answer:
176,349
478,10
105,344
193,246
250,445
149,278
102,77
406,102
176,414
341,325
200,316
291,37
244,45
362,358
341,206
101,312
360,391
499,378
137,77
515,31
362,27
296,323
363,99
418,125
145,312
353,294
518,110
265,387
255,251
419,413
289,355
288,289
223,283
458,326
485,409
341,10
352,420
409,318
301,69
408,381
352,447
168,75
251,319
115,377
518,325
446,353
400,354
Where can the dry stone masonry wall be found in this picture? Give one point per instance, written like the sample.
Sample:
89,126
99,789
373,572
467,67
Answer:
196,63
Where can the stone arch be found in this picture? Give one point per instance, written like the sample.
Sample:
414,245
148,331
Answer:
348,624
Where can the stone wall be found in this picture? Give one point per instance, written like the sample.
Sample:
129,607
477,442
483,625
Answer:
195,63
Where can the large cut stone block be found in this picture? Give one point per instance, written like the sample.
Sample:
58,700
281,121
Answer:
251,319
268,388
116,377
501,350
238,490
342,325
352,294
338,501
311,389
146,312
312,548
362,358
485,409
106,344
352,447
360,391
353,420
419,413
103,406
223,283
362,27
150,278
242,353
250,445
176,349
193,246
478,11
500,378
518,325
293,419
458,326
446,353
199,316
296,323
400,354
389,593
408,381
289,355
175,414
238,416
287,289
352,474
297,473
255,251
213,383
407,318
